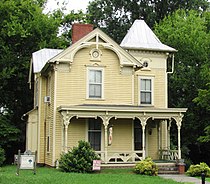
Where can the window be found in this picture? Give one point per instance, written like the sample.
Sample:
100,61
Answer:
95,83
94,133
48,143
137,135
146,91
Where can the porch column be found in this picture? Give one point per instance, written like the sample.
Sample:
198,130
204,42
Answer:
105,123
179,124
66,138
66,117
106,143
169,135
143,141
179,143
143,121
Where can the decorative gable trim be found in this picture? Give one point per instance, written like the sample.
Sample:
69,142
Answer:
96,38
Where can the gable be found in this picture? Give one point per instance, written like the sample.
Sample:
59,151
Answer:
95,40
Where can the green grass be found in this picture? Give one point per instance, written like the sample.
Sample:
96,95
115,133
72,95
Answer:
49,175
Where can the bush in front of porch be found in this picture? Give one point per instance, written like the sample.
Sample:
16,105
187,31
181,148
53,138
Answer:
146,167
79,159
198,169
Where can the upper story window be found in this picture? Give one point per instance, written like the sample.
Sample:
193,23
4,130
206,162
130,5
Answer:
95,83
146,91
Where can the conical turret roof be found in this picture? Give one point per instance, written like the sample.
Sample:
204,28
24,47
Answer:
141,37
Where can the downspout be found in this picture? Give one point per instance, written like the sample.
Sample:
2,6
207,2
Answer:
166,79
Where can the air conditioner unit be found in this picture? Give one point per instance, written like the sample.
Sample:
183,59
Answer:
47,99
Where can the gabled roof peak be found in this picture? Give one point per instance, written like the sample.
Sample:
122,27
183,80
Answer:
141,37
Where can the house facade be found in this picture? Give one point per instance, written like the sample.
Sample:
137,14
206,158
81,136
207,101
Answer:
113,96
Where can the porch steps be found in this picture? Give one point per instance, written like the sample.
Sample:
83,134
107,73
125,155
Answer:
167,168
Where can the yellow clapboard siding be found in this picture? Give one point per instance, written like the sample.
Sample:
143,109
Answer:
122,135
72,86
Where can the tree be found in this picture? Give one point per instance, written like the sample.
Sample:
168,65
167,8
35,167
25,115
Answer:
24,29
116,16
189,34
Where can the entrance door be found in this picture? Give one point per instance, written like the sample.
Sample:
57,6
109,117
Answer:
94,133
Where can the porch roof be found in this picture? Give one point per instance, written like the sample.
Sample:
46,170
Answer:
122,111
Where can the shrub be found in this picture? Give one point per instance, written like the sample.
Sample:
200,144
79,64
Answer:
79,159
198,169
2,156
146,167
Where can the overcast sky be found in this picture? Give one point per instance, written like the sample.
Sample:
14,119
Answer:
70,5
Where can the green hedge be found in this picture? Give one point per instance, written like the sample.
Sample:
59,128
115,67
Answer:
79,159
198,169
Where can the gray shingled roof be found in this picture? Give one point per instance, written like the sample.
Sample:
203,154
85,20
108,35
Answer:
141,37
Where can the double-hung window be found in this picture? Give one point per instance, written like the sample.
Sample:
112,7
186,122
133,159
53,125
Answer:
95,83
146,91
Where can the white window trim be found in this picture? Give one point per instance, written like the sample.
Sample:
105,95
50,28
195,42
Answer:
139,88
87,83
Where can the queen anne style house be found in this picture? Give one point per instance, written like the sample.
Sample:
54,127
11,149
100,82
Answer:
114,96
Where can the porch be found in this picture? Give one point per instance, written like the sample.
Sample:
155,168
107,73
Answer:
146,118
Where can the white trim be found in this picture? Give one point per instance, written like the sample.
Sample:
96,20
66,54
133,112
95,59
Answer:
39,120
87,82
54,116
152,90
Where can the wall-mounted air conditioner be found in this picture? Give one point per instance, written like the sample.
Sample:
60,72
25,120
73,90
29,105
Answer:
47,99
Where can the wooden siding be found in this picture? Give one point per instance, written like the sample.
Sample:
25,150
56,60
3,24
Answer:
49,122
72,86
122,135
76,132
152,140
41,109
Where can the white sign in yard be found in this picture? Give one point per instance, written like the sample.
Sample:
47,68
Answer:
27,161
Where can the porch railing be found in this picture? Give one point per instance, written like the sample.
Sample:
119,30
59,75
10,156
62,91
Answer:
121,156
168,154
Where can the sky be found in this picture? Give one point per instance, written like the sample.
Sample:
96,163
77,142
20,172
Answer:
71,5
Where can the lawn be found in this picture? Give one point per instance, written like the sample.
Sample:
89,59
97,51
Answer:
50,175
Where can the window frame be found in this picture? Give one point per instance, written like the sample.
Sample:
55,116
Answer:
88,83
152,90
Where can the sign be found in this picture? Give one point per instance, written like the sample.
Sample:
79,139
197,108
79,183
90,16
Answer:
27,161
96,165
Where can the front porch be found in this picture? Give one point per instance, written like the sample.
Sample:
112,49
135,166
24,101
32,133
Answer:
150,138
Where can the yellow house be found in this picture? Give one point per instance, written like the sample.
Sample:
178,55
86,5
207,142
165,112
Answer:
114,96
